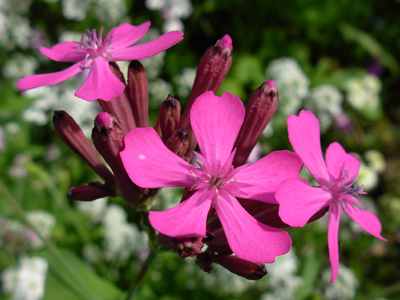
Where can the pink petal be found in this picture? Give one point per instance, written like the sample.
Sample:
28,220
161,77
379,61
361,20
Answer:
101,83
333,229
249,239
34,81
304,135
66,51
265,175
298,202
216,122
150,164
367,220
187,219
126,34
152,48
336,158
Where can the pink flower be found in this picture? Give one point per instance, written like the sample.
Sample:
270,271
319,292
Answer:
216,122
298,201
94,53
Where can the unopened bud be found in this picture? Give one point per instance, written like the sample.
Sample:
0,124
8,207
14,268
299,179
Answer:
211,71
178,142
205,260
243,268
72,135
108,138
92,191
169,117
120,107
219,242
138,93
259,111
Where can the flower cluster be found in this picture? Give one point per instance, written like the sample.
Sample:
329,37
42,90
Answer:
237,209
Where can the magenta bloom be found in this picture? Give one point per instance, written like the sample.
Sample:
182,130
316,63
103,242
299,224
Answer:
216,122
94,53
299,202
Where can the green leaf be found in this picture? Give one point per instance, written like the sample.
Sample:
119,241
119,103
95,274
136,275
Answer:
310,273
61,285
371,45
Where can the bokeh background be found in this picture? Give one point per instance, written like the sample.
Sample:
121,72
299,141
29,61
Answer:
339,59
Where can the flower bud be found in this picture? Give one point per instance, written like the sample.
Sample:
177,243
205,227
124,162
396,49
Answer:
178,142
219,242
259,111
108,138
205,260
138,93
92,191
238,266
120,107
211,71
169,117
72,135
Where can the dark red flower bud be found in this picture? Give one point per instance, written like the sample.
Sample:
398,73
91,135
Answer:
219,242
108,138
138,93
244,268
178,142
169,117
72,135
89,192
259,111
205,260
120,107
211,71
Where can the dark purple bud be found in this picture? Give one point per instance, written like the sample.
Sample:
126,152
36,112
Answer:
243,268
120,107
178,142
72,135
259,111
169,117
92,191
187,247
138,93
219,242
211,71
108,138
205,260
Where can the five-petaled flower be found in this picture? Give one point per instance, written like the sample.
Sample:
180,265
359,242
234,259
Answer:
93,52
216,122
298,201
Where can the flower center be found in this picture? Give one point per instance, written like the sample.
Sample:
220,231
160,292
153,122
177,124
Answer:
94,46
342,186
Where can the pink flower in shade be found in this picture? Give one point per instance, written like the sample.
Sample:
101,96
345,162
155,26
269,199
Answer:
298,201
94,53
216,122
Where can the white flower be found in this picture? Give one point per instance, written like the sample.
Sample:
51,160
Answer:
26,281
364,93
345,285
43,223
93,209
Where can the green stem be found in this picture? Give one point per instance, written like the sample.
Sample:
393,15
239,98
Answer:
85,292
136,283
